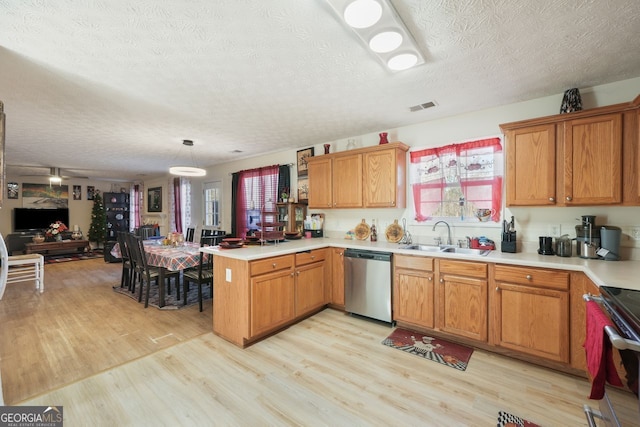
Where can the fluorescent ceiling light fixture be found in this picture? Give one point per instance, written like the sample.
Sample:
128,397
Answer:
382,30
402,61
187,170
362,13
385,41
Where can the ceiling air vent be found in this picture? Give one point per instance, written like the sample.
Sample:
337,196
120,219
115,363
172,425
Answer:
424,106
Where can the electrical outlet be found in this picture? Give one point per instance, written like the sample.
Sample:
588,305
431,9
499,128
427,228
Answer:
554,230
634,233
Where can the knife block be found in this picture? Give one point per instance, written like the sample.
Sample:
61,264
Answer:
508,243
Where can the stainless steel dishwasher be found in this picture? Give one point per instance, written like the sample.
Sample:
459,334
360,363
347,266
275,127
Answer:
367,283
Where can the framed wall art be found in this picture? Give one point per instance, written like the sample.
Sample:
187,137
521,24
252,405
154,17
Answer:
303,189
13,190
154,199
91,190
77,192
301,157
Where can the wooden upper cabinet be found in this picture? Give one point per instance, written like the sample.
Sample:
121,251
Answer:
593,160
531,166
347,181
370,177
385,179
575,159
320,187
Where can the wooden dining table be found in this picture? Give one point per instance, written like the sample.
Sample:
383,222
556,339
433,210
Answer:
167,258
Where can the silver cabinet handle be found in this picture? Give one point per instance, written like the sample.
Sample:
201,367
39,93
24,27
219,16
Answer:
528,277
569,198
441,280
273,265
430,279
552,199
313,257
497,288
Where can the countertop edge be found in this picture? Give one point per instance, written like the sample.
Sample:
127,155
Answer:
621,274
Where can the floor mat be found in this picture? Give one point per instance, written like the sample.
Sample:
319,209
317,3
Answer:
438,350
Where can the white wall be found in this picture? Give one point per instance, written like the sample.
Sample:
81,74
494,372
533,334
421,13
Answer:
530,222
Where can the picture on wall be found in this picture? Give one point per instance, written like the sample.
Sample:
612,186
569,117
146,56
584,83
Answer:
154,200
77,192
45,196
12,190
90,192
302,156
303,189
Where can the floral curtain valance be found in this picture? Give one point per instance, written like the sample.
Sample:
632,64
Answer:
470,171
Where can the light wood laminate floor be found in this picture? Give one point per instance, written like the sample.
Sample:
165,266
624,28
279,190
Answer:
111,362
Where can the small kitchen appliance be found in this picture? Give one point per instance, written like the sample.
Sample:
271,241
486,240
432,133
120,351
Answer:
546,245
610,243
563,246
587,238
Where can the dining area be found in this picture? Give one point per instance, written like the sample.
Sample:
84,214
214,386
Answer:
166,267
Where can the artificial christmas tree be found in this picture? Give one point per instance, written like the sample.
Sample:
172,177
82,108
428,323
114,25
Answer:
98,227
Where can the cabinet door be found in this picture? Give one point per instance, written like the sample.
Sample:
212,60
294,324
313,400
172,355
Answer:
272,301
380,179
320,184
531,166
413,297
310,291
463,306
533,320
337,277
347,181
593,160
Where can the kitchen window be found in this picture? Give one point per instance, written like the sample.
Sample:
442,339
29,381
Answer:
456,180
255,191
212,196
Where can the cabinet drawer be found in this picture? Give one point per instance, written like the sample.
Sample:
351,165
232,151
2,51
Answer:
270,265
533,277
413,262
463,268
315,255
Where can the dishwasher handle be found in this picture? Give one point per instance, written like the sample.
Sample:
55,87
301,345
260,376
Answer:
368,255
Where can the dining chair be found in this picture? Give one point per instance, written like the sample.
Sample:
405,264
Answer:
146,272
127,278
20,268
190,233
201,275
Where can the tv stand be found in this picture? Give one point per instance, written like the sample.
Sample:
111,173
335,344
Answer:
61,247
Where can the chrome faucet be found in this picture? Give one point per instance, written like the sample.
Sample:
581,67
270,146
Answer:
449,241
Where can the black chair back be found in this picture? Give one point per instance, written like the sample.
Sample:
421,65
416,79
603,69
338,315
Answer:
190,233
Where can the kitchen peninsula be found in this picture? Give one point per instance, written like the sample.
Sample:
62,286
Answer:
259,290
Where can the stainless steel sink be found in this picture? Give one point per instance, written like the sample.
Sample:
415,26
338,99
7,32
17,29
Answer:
447,249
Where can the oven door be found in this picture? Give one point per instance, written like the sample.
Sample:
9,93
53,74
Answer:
623,338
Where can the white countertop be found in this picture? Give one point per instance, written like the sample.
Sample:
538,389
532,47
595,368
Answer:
621,274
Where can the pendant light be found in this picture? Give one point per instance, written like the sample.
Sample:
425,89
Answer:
188,170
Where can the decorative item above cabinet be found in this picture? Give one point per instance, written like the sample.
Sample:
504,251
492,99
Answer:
371,177
575,159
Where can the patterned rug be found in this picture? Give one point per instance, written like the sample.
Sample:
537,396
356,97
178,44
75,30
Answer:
53,259
506,419
447,353
170,300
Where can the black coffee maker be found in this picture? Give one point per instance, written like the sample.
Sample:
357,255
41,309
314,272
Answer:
546,245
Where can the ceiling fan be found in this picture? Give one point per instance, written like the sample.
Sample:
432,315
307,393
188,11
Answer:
54,174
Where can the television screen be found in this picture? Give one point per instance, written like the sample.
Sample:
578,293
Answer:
28,219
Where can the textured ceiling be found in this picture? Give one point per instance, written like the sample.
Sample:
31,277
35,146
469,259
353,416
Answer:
110,88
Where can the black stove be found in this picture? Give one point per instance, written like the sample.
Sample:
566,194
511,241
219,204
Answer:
625,303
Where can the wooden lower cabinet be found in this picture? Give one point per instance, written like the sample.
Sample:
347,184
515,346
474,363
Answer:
336,297
530,309
413,290
310,281
271,294
462,299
